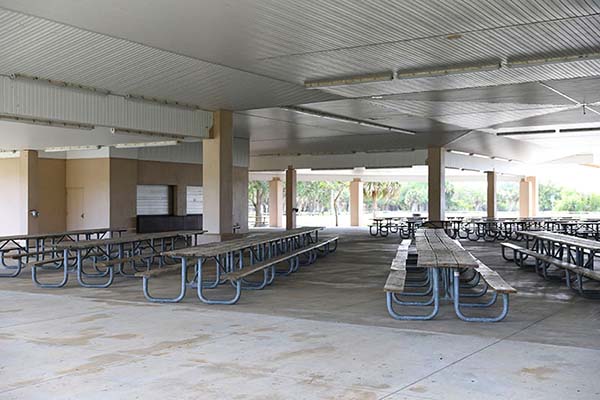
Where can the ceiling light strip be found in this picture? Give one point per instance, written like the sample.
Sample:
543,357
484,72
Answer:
352,80
457,70
63,84
337,118
45,122
532,62
124,131
162,102
147,144
72,148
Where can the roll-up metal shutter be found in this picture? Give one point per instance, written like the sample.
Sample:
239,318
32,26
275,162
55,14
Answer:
153,200
195,200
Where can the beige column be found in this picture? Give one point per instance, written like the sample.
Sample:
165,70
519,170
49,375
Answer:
491,194
534,195
290,198
28,177
217,175
276,203
528,197
356,202
437,183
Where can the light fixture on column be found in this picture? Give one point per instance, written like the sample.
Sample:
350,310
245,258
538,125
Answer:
62,84
147,144
125,131
9,153
45,122
350,80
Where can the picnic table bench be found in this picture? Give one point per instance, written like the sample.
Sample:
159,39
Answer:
22,248
236,260
106,254
443,261
573,255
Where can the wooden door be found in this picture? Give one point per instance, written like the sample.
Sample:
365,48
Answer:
75,209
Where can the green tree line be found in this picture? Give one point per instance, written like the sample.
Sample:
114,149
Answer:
334,197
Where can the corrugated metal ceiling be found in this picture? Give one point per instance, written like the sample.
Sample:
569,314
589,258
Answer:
256,54
44,48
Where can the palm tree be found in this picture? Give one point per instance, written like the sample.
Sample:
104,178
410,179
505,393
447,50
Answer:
385,191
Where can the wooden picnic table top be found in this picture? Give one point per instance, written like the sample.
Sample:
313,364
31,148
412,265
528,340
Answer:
562,238
87,244
60,234
435,249
217,248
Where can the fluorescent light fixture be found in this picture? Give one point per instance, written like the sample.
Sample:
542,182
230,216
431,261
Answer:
456,70
462,153
123,131
337,118
552,60
499,158
71,148
517,133
376,97
10,153
45,122
556,131
163,102
63,84
147,144
479,155
351,80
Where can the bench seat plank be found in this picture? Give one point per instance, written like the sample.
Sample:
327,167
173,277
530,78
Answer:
494,279
395,281
251,269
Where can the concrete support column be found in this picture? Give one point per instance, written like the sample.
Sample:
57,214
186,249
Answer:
436,165
28,177
528,197
276,203
356,202
290,198
217,175
492,207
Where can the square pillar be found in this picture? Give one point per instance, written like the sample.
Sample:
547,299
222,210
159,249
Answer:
290,198
528,200
276,203
436,165
491,194
534,195
28,178
356,202
217,175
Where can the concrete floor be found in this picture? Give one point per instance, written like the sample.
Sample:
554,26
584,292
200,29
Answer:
323,333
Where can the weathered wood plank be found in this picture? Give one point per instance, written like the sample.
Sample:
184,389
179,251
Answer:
493,279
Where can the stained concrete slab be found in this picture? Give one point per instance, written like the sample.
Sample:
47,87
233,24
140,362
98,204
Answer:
322,333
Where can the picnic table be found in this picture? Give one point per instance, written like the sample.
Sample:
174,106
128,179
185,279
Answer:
112,252
572,256
444,260
579,251
39,246
254,253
